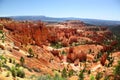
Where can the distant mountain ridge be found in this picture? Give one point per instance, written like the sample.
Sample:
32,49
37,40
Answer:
51,19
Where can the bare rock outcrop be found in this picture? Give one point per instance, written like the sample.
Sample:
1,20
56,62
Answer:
74,55
28,32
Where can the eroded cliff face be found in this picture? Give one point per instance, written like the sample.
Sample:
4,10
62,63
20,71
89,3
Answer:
37,33
28,32
73,44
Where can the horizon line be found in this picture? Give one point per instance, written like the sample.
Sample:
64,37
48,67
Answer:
58,17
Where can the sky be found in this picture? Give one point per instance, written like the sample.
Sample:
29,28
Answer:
93,9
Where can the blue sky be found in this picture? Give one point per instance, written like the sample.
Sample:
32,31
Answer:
95,9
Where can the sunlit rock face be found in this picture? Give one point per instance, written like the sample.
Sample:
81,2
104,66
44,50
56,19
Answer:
67,33
103,59
28,32
73,55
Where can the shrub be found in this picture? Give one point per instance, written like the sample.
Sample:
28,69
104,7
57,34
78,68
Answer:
90,50
10,60
33,77
75,44
48,77
98,76
45,77
13,61
92,77
1,32
107,78
1,64
99,55
57,77
17,65
16,71
3,36
70,73
13,71
64,73
57,45
117,71
22,61
89,71
6,66
110,59
31,53
63,52
3,60
20,73
81,75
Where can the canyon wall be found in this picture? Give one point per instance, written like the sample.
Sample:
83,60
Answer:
27,32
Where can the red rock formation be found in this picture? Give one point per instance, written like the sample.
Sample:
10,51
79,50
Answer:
106,48
82,56
103,59
73,55
113,43
55,53
28,32
65,42
71,50
72,39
